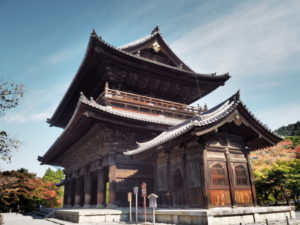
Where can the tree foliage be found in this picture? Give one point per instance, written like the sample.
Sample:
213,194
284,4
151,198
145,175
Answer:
277,172
25,191
55,177
289,130
10,96
281,182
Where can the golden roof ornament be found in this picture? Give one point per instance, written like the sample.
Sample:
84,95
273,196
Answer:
156,47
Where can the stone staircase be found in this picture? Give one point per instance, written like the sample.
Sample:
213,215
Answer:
45,212
276,222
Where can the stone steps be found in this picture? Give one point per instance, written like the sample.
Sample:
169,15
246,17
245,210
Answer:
276,222
44,212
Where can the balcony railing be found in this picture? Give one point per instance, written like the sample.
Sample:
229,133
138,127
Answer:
148,105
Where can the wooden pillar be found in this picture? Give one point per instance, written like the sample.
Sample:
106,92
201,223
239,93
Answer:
69,197
205,180
230,177
100,188
170,189
77,192
112,172
251,178
87,189
185,188
66,192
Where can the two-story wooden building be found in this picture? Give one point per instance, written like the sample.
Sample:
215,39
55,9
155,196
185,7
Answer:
127,119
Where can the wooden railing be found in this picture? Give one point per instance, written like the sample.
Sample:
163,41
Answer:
144,104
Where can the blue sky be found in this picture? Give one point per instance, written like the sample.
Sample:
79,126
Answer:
42,44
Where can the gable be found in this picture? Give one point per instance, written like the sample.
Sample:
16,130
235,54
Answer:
154,48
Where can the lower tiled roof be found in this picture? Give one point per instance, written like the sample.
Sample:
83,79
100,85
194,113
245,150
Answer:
211,116
159,119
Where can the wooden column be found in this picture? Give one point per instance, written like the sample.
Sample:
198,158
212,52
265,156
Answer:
251,178
73,183
87,189
69,199
205,180
77,192
230,177
66,192
112,172
170,189
100,188
185,188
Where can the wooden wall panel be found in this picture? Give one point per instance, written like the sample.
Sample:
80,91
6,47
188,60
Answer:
243,197
220,198
195,197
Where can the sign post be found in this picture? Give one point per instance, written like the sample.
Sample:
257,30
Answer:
129,198
136,191
144,195
153,204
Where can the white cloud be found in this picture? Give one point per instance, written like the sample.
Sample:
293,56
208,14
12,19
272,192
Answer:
255,37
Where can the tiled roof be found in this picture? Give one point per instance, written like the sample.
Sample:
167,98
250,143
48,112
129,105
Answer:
137,42
213,115
210,75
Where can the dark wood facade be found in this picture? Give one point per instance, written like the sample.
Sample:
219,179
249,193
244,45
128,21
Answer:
132,124
212,171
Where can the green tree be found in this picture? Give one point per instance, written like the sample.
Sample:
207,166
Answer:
279,182
55,177
10,96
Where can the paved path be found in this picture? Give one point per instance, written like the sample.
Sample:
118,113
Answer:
29,219
20,219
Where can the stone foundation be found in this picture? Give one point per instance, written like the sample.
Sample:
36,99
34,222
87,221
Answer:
215,216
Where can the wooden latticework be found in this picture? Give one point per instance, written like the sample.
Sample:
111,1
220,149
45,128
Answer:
148,105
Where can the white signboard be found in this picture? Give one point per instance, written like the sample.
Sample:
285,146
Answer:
136,190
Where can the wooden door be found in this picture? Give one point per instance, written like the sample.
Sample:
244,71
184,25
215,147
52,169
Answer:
219,185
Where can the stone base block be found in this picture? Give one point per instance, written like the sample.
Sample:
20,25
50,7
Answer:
224,216
92,215
214,216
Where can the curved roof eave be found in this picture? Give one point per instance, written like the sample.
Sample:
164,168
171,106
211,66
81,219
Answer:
96,41
217,115
83,101
212,76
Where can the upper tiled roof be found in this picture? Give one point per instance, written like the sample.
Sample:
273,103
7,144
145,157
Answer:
137,42
97,47
212,76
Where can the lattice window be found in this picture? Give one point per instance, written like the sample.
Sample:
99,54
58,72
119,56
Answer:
218,175
241,175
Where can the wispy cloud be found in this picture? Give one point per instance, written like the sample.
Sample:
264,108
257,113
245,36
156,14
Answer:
66,54
38,106
255,37
21,117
